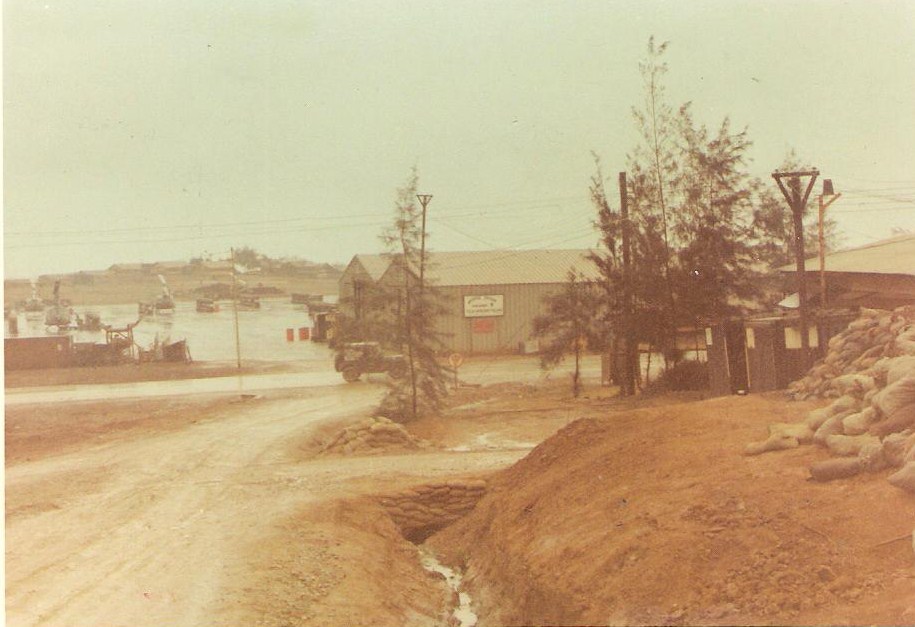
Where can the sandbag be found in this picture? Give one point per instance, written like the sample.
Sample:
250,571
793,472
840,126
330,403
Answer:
835,469
899,368
832,426
872,457
774,443
844,403
894,449
896,395
856,385
902,419
849,445
817,417
859,423
797,430
904,478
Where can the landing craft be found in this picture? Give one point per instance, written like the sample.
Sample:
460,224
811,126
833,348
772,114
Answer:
33,304
58,315
165,303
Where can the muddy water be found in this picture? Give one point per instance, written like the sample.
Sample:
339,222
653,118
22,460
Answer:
210,336
463,612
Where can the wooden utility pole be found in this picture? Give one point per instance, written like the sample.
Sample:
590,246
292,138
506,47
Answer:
827,191
797,200
630,348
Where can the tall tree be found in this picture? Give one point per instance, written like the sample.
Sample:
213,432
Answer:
416,307
653,169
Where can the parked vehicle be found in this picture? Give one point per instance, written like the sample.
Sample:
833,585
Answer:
357,358
207,305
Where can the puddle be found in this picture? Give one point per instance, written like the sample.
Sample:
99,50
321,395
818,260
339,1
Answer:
463,612
485,442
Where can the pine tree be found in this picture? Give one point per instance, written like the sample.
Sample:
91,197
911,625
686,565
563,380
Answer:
415,308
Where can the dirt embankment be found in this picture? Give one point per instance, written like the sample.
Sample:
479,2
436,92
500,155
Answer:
654,517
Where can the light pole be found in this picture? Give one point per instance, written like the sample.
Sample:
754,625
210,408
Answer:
797,200
827,191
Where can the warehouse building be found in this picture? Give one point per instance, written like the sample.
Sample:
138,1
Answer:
763,353
880,275
491,297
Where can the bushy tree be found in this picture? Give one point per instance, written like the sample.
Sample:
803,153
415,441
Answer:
569,324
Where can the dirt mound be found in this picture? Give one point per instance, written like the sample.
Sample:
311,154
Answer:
372,436
654,517
870,372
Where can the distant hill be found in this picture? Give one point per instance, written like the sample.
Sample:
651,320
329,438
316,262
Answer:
134,282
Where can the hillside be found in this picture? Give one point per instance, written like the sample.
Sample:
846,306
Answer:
654,517
120,287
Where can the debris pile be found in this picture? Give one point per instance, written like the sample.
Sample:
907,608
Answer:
421,511
869,371
373,435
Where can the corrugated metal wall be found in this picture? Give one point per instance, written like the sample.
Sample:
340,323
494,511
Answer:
522,303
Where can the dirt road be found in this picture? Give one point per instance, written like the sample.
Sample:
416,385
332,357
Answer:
151,528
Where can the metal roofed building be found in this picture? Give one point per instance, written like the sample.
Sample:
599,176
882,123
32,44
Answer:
880,275
491,297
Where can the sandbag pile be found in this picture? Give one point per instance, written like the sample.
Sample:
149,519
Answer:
421,511
870,372
373,435
873,336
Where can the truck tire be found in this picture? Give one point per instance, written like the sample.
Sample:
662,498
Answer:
351,374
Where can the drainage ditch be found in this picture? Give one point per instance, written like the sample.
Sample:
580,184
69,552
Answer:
424,510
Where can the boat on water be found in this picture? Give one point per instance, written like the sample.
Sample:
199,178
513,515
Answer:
207,305
59,315
91,322
249,303
164,304
33,304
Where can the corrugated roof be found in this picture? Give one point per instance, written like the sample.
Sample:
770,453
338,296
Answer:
375,265
891,256
507,267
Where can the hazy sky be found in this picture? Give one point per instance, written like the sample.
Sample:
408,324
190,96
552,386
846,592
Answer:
141,131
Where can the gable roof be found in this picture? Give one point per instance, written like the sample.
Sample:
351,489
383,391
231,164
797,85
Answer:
375,265
890,256
507,267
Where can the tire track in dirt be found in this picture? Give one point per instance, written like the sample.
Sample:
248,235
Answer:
150,546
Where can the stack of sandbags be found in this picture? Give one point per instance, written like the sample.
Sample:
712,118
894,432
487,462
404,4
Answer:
421,511
373,435
872,337
870,371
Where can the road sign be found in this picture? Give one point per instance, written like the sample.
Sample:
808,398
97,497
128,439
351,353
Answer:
455,359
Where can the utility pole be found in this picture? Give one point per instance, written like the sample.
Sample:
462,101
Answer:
797,200
424,201
630,348
827,191
235,311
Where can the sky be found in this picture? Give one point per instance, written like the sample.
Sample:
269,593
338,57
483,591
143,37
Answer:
149,131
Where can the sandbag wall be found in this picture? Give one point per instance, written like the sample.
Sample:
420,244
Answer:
869,371
371,436
421,511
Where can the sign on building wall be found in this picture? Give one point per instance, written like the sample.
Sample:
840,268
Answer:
483,306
